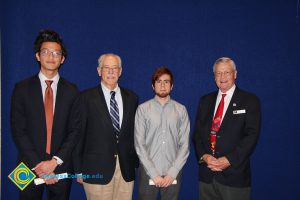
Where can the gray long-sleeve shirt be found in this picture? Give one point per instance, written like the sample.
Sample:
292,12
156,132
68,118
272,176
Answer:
162,137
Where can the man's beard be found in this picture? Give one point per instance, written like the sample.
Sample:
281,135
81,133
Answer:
162,95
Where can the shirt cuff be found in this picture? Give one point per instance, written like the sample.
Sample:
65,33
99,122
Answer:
58,160
173,172
152,173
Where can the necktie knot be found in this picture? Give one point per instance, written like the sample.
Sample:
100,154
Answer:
112,93
48,82
223,96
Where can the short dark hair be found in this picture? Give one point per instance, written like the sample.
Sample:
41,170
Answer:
159,72
47,35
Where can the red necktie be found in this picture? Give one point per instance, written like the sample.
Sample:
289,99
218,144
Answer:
49,113
216,124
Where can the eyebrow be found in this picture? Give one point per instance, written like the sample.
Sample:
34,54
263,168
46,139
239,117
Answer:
163,80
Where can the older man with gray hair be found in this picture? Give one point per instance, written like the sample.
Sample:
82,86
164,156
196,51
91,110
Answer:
105,155
227,129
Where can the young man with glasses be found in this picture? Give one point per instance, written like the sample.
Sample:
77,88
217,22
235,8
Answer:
226,132
45,120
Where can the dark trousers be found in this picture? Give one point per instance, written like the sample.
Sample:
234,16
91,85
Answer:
58,191
217,191
150,192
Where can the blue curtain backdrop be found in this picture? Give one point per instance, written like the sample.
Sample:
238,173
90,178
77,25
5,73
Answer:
263,37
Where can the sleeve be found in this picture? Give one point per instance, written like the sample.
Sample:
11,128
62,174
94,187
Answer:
20,131
250,134
140,144
183,152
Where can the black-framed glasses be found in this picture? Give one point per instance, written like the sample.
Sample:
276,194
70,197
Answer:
47,52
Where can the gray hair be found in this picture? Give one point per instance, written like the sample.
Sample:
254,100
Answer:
103,56
224,60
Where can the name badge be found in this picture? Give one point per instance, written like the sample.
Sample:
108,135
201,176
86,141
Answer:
236,112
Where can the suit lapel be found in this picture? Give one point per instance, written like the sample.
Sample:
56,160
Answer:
38,102
100,103
212,106
126,102
58,103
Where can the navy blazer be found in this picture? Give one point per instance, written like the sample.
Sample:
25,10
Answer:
28,122
236,138
95,154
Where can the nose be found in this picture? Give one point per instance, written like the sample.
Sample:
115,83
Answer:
110,70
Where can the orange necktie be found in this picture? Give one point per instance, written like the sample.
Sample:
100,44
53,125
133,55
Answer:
49,113
216,124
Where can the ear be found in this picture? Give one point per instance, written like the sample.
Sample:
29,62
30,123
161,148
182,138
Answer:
62,60
37,56
99,70
153,87
235,75
120,73
172,87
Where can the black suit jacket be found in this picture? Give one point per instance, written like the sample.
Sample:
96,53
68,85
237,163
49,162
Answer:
95,154
28,122
236,138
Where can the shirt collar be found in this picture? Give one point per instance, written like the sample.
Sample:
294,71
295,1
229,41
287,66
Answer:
43,78
229,93
107,90
168,99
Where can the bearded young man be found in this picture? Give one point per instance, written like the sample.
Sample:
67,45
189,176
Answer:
162,130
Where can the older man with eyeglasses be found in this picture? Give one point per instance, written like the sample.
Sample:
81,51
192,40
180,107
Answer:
107,146
225,135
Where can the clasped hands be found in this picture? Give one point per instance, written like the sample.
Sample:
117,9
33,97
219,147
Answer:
216,164
165,181
45,170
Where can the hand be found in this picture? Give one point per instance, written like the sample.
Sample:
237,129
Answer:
168,180
80,180
209,159
51,179
211,162
45,167
219,164
222,163
158,181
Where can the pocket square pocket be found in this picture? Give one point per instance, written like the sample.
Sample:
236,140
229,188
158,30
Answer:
237,112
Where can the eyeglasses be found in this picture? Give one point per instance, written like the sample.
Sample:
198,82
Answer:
226,73
107,69
47,52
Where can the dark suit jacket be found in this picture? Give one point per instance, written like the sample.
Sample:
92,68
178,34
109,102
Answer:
28,122
236,138
96,152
